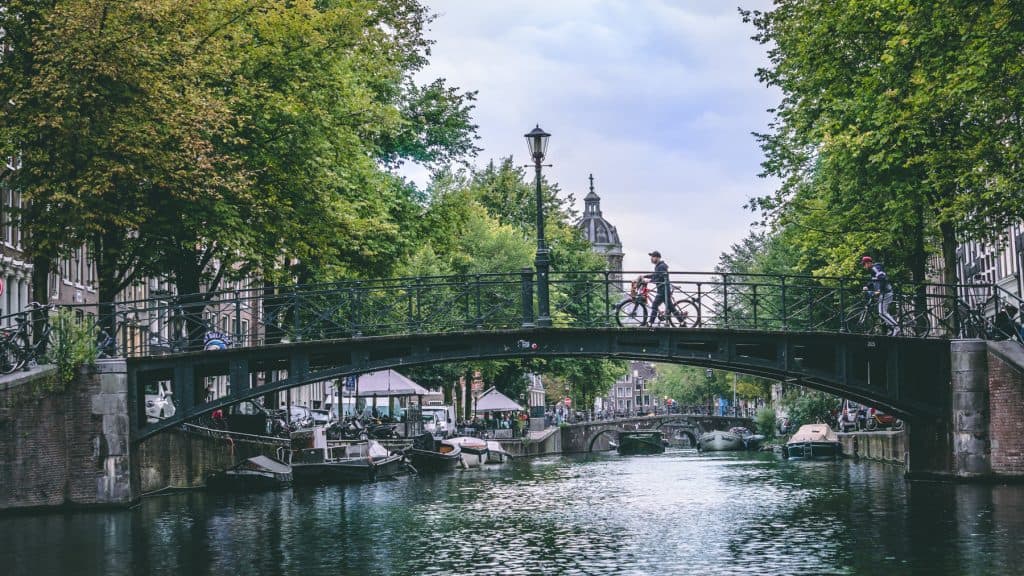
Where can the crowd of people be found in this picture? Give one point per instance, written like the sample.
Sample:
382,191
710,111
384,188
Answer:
487,424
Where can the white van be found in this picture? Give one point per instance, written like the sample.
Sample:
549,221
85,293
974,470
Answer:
439,420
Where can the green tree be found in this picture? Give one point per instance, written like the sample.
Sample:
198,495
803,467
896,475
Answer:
893,133
201,139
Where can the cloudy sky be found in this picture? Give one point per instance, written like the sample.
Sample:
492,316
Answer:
656,98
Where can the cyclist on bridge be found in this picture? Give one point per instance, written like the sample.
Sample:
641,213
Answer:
660,279
882,289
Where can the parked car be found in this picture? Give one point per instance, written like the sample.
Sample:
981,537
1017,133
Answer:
850,417
160,405
249,417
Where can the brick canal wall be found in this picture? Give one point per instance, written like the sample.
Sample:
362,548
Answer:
65,447
186,458
1006,408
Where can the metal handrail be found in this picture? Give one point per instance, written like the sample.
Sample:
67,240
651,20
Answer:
353,308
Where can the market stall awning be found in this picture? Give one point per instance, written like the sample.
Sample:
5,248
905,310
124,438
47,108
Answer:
387,383
493,401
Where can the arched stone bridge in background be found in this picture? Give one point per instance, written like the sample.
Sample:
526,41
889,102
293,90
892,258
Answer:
594,435
821,333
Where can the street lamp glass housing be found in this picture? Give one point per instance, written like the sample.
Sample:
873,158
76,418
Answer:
537,140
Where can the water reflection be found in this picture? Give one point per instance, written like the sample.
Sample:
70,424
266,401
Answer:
603,514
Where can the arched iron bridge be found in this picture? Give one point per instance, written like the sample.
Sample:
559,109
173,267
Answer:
822,333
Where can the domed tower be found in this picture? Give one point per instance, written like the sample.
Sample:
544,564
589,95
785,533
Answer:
603,237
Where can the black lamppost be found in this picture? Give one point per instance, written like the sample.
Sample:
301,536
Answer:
537,139
709,375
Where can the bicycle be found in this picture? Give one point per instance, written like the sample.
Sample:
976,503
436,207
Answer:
633,311
963,320
864,318
18,349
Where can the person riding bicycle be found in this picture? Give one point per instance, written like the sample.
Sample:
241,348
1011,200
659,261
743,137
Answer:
881,288
660,280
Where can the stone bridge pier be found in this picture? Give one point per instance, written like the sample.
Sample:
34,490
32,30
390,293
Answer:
595,436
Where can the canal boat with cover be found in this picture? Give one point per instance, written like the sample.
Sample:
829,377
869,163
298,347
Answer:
720,441
342,461
474,450
430,455
256,473
813,442
640,442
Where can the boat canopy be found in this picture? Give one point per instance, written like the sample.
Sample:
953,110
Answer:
814,433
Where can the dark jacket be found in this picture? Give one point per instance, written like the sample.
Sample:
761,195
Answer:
879,280
660,276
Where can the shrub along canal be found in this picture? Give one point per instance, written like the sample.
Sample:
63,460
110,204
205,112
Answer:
674,513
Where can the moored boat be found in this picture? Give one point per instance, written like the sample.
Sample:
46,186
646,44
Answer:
430,455
640,442
720,441
256,473
813,442
474,450
496,453
751,441
360,461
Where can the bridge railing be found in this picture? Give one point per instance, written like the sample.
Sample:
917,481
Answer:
392,306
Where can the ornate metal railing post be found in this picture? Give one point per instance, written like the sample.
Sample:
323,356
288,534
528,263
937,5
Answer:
842,305
700,304
755,305
725,300
526,280
237,328
607,299
297,314
479,320
782,296
357,309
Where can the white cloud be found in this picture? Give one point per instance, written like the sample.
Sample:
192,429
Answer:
656,98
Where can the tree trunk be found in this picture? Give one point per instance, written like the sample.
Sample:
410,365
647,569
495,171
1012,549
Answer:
467,395
949,275
40,292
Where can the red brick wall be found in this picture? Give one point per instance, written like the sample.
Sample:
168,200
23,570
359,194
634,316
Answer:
1006,402
33,459
60,447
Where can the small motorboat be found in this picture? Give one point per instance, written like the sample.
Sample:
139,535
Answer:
430,455
751,441
314,459
640,442
474,450
256,473
496,454
813,442
720,441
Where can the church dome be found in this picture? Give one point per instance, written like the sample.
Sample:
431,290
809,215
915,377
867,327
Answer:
601,234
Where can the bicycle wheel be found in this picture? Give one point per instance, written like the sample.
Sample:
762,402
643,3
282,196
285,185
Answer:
860,321
630,313
10,358
14,354
914,325
684,314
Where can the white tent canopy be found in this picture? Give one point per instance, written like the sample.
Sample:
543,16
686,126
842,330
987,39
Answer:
493,401
387,383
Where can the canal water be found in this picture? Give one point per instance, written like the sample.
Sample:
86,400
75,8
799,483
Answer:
676,513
